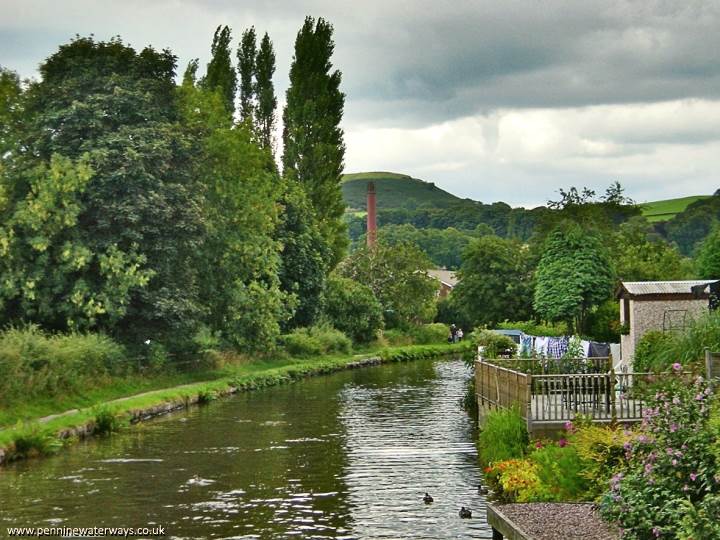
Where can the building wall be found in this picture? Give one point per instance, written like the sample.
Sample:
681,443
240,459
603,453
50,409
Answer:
647,315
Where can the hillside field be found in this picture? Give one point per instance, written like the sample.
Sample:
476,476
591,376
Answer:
665,210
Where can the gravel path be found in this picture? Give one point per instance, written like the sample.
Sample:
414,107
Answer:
551,521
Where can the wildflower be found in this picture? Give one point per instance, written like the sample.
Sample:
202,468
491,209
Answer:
538,444
693,476
656,532
674,462
676,400
677,366
673,428
562,443
569,426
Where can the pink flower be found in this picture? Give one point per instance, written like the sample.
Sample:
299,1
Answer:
677,366
693,476
562,443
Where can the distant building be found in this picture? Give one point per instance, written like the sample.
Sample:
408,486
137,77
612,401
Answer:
665,306
447,279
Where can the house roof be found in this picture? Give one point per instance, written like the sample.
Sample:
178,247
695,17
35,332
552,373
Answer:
648,288
447,277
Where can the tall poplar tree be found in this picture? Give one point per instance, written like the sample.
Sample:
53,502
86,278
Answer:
265,92
220,74
314,149
246,67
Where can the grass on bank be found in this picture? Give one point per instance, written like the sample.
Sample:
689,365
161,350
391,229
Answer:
26,440
667,209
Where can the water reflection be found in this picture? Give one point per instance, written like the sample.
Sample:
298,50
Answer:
344,456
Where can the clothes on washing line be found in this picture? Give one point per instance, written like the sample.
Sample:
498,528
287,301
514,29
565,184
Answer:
557,347
526,344
541,344
599,350
585,348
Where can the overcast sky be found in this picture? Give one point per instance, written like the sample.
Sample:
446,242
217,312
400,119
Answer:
492,100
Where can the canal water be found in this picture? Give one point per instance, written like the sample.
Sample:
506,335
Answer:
348,455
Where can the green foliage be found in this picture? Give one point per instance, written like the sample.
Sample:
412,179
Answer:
32,441
220,76
503,436
560,473
33,363
107,420
495,282
305,255
119,255
493,343
602,452
653,352
574,275
240,259
691,226
656,351
426,334
664,210
533,328
352,308
398,277
315,341
246,55
314,148
11,111
393,191
603,322
265,93
707,261
206,396
640,254
443,247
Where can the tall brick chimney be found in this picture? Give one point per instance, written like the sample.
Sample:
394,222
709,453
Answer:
371,215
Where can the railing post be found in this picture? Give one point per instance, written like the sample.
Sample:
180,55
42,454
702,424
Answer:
611,389
528,401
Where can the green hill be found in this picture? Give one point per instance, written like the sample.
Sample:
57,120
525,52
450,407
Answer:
393,191
656,211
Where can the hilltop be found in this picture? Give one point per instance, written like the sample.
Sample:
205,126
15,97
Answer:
401,190
394,191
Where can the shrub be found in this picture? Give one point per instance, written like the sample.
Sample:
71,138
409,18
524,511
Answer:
352,308
495,344
33,363
512,479
31,441
559,470
315,341
397,338
504,436
427,334
106,420
653,352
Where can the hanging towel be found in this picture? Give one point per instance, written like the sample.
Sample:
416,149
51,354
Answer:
541,344
526,344
586,348
599,350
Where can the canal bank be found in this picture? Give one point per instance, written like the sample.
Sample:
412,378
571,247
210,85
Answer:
49,434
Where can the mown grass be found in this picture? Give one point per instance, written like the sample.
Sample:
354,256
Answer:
30,439
665,210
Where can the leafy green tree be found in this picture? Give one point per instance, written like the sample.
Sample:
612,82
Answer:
688,228
139,218
11,110
265,92
640,254
398,277
353,309
305,255
220,75
190,75
246,55
707,262
575,274
313,143
240,259
444,247
495,283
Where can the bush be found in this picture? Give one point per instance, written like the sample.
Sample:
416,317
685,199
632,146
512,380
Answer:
495,344
427,334
106,421
31,441
352,308
653,352
504,436
512,479
33,363
559,470
397,338
316,341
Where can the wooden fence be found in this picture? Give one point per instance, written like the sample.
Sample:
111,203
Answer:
548,399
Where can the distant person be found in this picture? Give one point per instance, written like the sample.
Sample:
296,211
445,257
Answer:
453,333
460,334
